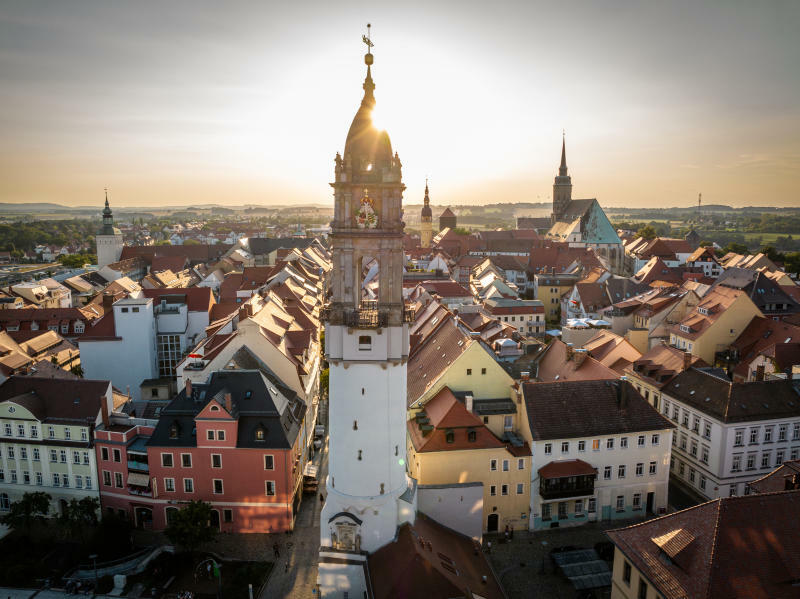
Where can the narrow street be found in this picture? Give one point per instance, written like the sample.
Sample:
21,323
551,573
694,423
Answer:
301,548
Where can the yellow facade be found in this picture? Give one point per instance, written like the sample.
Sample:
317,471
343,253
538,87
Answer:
498,470
629,583
550,296
722,332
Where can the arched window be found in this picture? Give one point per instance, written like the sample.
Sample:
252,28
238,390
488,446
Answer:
261,434
215,408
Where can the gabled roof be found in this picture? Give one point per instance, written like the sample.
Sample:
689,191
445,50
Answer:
784,478
554,365
611,350
744,547
571,409
707,312
661,363
73,401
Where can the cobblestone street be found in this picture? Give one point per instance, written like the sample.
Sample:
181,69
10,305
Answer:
524,566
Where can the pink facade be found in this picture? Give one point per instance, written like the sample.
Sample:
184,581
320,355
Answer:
250,489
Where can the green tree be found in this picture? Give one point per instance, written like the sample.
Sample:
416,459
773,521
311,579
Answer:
791,262
647,232
79,514
24,513
736,248
773,254
191,526
324,378
77,260
191,242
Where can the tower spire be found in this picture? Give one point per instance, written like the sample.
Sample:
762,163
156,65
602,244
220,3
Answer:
369,86
427,199
562,170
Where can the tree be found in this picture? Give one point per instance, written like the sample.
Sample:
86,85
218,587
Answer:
191,242
736,248
79,514
647,232
791,262
24,513
77,260
191,526
773,254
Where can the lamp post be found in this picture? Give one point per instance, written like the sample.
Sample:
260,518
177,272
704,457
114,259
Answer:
93,557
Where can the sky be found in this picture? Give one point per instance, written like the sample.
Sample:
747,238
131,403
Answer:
193,102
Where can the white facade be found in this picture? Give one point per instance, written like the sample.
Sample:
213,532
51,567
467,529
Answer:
717,459
629,465
109,248
367,428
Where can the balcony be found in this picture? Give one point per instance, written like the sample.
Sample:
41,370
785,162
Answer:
562,488
138,466
368,315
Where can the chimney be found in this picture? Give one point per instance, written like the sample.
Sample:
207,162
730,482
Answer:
687,360
188,387
104,411
622,393
468,402
570,351
228,402
580,356
108,300
760,372
525,376
248,309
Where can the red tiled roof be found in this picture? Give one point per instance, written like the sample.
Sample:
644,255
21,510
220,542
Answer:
553,365
564,468
445,289
785,477
434,356
744,547
173,263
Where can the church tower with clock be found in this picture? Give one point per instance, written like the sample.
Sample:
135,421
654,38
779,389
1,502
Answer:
367,343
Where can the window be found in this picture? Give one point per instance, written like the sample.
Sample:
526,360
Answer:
169,354
188,485
779,455
508,423
610,443
36,456
623,443
216,460
592,505
85,458
581,445
781,432
546,511
118,480
796,431
364,343
62,455
20,430
87,482
652,469
621,471
753,436
166,460
794,453
751,461
520,488
104,454
67,433
642,594
738,439
469,371
640,469
84,435
227,516
666,408
548,448
626,573
703,482
117,455
685,419
450,436
483,371
76,457
39,479
683,442
51,432
520,463
78,482
210,435
220,435
707,430
640,441
637,501
26,477
218,486
186,460
34,431
737,464
732,491
270,487
620,503
693,450
504,490
691,474
607,473
704,454
7,429
11,452
596,445
765,460
579,506
169,485
57,479
506,466
675,412
565,447
5,504
696,424
23,453
269,462
562,510
768,434
654,439
492,490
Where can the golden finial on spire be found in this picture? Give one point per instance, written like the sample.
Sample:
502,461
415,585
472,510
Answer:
368,41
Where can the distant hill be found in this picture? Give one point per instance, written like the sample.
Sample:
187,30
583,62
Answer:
34,207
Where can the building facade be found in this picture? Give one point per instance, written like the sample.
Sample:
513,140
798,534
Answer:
108,239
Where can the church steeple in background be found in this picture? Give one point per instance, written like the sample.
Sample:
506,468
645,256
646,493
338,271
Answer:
562,170
562,186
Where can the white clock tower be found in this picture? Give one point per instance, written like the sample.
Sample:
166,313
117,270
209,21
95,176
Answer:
108,239
366,341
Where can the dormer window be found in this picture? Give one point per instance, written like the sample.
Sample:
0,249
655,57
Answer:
703,311
685,328
174,431
261,434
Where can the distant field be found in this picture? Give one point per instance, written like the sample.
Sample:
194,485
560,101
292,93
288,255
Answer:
763,238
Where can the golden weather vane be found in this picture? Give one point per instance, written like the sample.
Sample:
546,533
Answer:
366,38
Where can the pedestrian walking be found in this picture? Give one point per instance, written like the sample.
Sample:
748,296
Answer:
276,550
488,546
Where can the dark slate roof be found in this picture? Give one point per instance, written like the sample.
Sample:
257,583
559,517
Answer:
278,413
710,392
266,245
621,289
56,400
569,409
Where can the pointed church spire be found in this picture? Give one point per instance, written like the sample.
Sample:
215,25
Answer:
427,199
562,170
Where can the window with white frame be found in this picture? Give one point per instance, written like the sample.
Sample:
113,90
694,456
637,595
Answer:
621,471
169,485
579,506
20,430
738,438
493,465
169,354
39,479
591,505
753,436
504,490
610,443
736,465
51,432
751,461
548,450
270,487
640,469
506,466
520,488
620,503
782,432
768,434
704,454
520,463
607,473
655,439
640,441
707,430
765,459
581,445
36,454
565,447
188,485
652,469
637,501
118,480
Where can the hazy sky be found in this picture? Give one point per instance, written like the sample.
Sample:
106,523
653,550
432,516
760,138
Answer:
174,102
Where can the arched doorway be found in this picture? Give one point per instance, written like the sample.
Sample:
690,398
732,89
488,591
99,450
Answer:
215,519
493,523
144,517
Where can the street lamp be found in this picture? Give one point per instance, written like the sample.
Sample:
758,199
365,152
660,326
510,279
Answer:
93,557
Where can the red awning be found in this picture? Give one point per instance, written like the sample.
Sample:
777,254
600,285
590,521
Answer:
566,468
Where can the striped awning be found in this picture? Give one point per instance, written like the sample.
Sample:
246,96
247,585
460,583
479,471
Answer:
137,479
